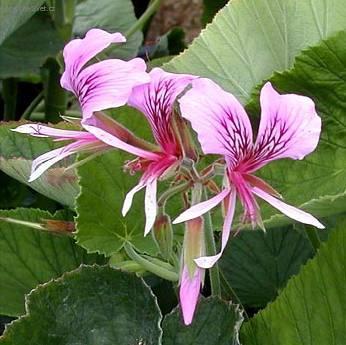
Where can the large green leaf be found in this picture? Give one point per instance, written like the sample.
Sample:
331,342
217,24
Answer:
249,39
215,323
312,307
257,265
89,306
110,15
100,225
15,13
319,181
30,257
104,184
25,51
16,154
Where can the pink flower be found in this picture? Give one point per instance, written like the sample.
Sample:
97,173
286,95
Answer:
192,277
155,100
289,128
98,86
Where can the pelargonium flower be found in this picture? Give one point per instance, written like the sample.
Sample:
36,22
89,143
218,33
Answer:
99,86
289,128
156,101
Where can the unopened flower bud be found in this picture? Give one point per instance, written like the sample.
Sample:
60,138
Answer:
163,235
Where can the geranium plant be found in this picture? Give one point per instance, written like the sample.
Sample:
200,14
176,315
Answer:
173,200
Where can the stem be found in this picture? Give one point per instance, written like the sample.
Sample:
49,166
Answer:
313,237
171,192
63,17
153,6
158,270
9,92
35,102
54,94
214,273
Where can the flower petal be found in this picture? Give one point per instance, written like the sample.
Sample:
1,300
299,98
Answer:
150,205
220,121
105,84
45,161
79,51
112,140
156,99
209,261
37,130
108,84
289,127
288,210
201,208
189,293
129,197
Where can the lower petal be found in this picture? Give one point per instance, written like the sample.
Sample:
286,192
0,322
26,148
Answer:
189,293
288,210
150,205
209,261
129,197
45,161
201,208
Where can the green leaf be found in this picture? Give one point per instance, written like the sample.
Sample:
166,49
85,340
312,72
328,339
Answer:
257,265
215,323
104,185
91,305
24,52
15,13
312,307
30,257
110,15
103,188
16,154
249,39
318,182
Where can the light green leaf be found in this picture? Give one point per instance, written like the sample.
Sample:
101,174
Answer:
215,323
318,182
16,154
312,307
110,15
257,265
30,257
25,51
15,13
249,39
89,306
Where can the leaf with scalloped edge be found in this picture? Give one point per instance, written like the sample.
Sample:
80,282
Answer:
250,39
91,305
30,257
317,183
17,152
312,307
216,322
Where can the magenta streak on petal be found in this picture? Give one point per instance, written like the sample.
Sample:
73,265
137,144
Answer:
209,261
159,113
201,208
248,201
156,100
288,210
189,293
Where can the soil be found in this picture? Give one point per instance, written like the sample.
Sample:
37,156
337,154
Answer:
177,13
